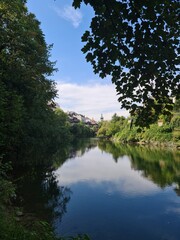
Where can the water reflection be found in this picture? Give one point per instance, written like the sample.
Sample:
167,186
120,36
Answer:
121,192
98,169
136,170
161,166
40,195
38,189
104,190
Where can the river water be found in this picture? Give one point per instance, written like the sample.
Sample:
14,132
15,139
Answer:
110,192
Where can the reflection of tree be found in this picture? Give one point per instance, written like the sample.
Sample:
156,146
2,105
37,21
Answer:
82,146
37,188
42,196
85,144
59,196
109,147
162,166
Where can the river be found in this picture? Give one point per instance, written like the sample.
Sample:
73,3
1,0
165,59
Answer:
108,191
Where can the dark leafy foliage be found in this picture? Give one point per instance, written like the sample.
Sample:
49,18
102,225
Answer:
27,119
137,44
80,130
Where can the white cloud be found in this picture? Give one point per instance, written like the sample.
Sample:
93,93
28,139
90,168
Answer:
91,100
70,14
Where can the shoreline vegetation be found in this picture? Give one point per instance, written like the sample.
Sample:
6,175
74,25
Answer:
164,133
153,144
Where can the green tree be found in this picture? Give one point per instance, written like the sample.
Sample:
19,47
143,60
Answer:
177,105
110,128
102,131
115,117
25,90
80,130
137,44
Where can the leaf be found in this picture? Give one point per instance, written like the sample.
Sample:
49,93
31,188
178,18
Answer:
76,3
140,39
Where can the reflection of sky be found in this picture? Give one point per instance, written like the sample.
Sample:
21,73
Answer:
98,169
174,206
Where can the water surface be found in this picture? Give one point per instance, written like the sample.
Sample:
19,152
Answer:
119,192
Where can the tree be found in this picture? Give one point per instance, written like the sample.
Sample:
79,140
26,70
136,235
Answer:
137,44
115,117
110,128
177,105
25,89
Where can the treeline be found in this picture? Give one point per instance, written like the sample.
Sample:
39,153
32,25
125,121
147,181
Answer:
166,130
29,122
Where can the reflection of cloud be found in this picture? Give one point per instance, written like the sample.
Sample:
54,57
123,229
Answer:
97,169
173,210
70,14
90,99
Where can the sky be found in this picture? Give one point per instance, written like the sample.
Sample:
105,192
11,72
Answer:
79,89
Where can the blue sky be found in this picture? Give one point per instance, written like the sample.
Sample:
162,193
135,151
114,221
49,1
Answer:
79,88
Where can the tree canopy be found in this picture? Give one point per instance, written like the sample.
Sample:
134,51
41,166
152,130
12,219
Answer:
137,44
27,118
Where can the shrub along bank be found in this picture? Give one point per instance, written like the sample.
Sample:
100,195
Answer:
120,129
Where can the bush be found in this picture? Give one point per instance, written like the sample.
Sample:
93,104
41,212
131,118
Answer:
11,229
128,135
175,122
156,133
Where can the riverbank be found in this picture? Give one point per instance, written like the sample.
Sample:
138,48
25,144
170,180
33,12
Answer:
161,144
170,145
122,130
16,224
154,136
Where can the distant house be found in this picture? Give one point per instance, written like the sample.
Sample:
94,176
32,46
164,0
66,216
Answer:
93,122
77,118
